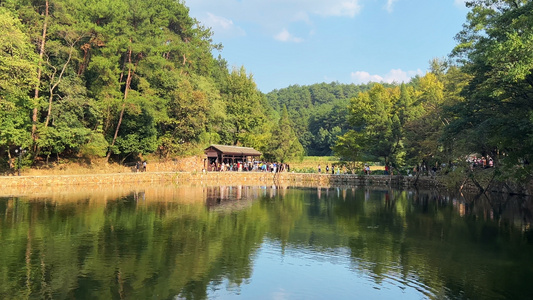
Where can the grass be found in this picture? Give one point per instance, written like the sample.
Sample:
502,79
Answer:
69,167
77,168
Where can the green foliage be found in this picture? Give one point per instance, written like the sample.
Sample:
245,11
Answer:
424,128
404,124
308,170
495,49
284,143
243,106
18,67
135,77
482,105
139,74
96,146
375,118
187,112
350,145
138,134
318,112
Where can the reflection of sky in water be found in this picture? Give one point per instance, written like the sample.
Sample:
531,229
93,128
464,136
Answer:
304,273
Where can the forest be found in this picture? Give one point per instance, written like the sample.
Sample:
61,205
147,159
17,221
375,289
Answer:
125,79
119,80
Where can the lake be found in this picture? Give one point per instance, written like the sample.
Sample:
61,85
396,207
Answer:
263,242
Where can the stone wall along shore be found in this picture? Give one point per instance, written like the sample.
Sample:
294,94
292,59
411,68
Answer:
209,178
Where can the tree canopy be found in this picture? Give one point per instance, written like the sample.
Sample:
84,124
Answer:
479,101
126,78
495,50
118,79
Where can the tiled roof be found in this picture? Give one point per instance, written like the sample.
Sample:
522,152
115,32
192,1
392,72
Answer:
235,150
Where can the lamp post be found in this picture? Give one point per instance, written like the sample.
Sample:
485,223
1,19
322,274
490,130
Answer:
18,160
19,154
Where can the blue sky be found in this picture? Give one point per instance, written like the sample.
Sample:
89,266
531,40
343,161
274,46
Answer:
288,42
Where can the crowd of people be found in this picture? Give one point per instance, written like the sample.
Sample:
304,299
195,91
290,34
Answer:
334,169
483,162
255,166
275,167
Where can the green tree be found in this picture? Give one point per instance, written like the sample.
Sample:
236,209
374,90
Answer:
424,128
349,147
495,50
374,115
244,109
326,123
284,143
18,69
186,116
298,102
318,112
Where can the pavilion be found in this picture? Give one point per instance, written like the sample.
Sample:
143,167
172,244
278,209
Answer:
216,154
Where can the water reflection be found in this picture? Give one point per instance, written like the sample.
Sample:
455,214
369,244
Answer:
263,242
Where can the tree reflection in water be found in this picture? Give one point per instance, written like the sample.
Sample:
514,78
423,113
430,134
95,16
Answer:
194,242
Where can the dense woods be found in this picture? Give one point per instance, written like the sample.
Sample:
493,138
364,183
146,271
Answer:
126,78
119,79
478,101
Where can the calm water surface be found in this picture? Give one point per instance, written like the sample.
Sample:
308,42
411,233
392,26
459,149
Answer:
172,242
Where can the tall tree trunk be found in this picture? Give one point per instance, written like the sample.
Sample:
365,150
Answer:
36,94
128,82
419,170
54,86
83,65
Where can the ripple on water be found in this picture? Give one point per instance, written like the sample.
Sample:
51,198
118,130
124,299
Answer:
307,272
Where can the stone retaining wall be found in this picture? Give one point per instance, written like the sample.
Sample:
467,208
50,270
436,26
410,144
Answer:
299,179
218,178
512,188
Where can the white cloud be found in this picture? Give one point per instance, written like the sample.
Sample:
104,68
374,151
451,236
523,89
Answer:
389,5
365,77
273,15
286,36
222,26
460,3
303,17
394,75
339,8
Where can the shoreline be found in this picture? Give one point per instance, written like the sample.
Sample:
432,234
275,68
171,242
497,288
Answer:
35,182
240,178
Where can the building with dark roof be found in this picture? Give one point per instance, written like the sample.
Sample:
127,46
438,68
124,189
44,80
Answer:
217,154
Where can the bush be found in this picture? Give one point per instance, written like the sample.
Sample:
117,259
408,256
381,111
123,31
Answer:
304,170
97,146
